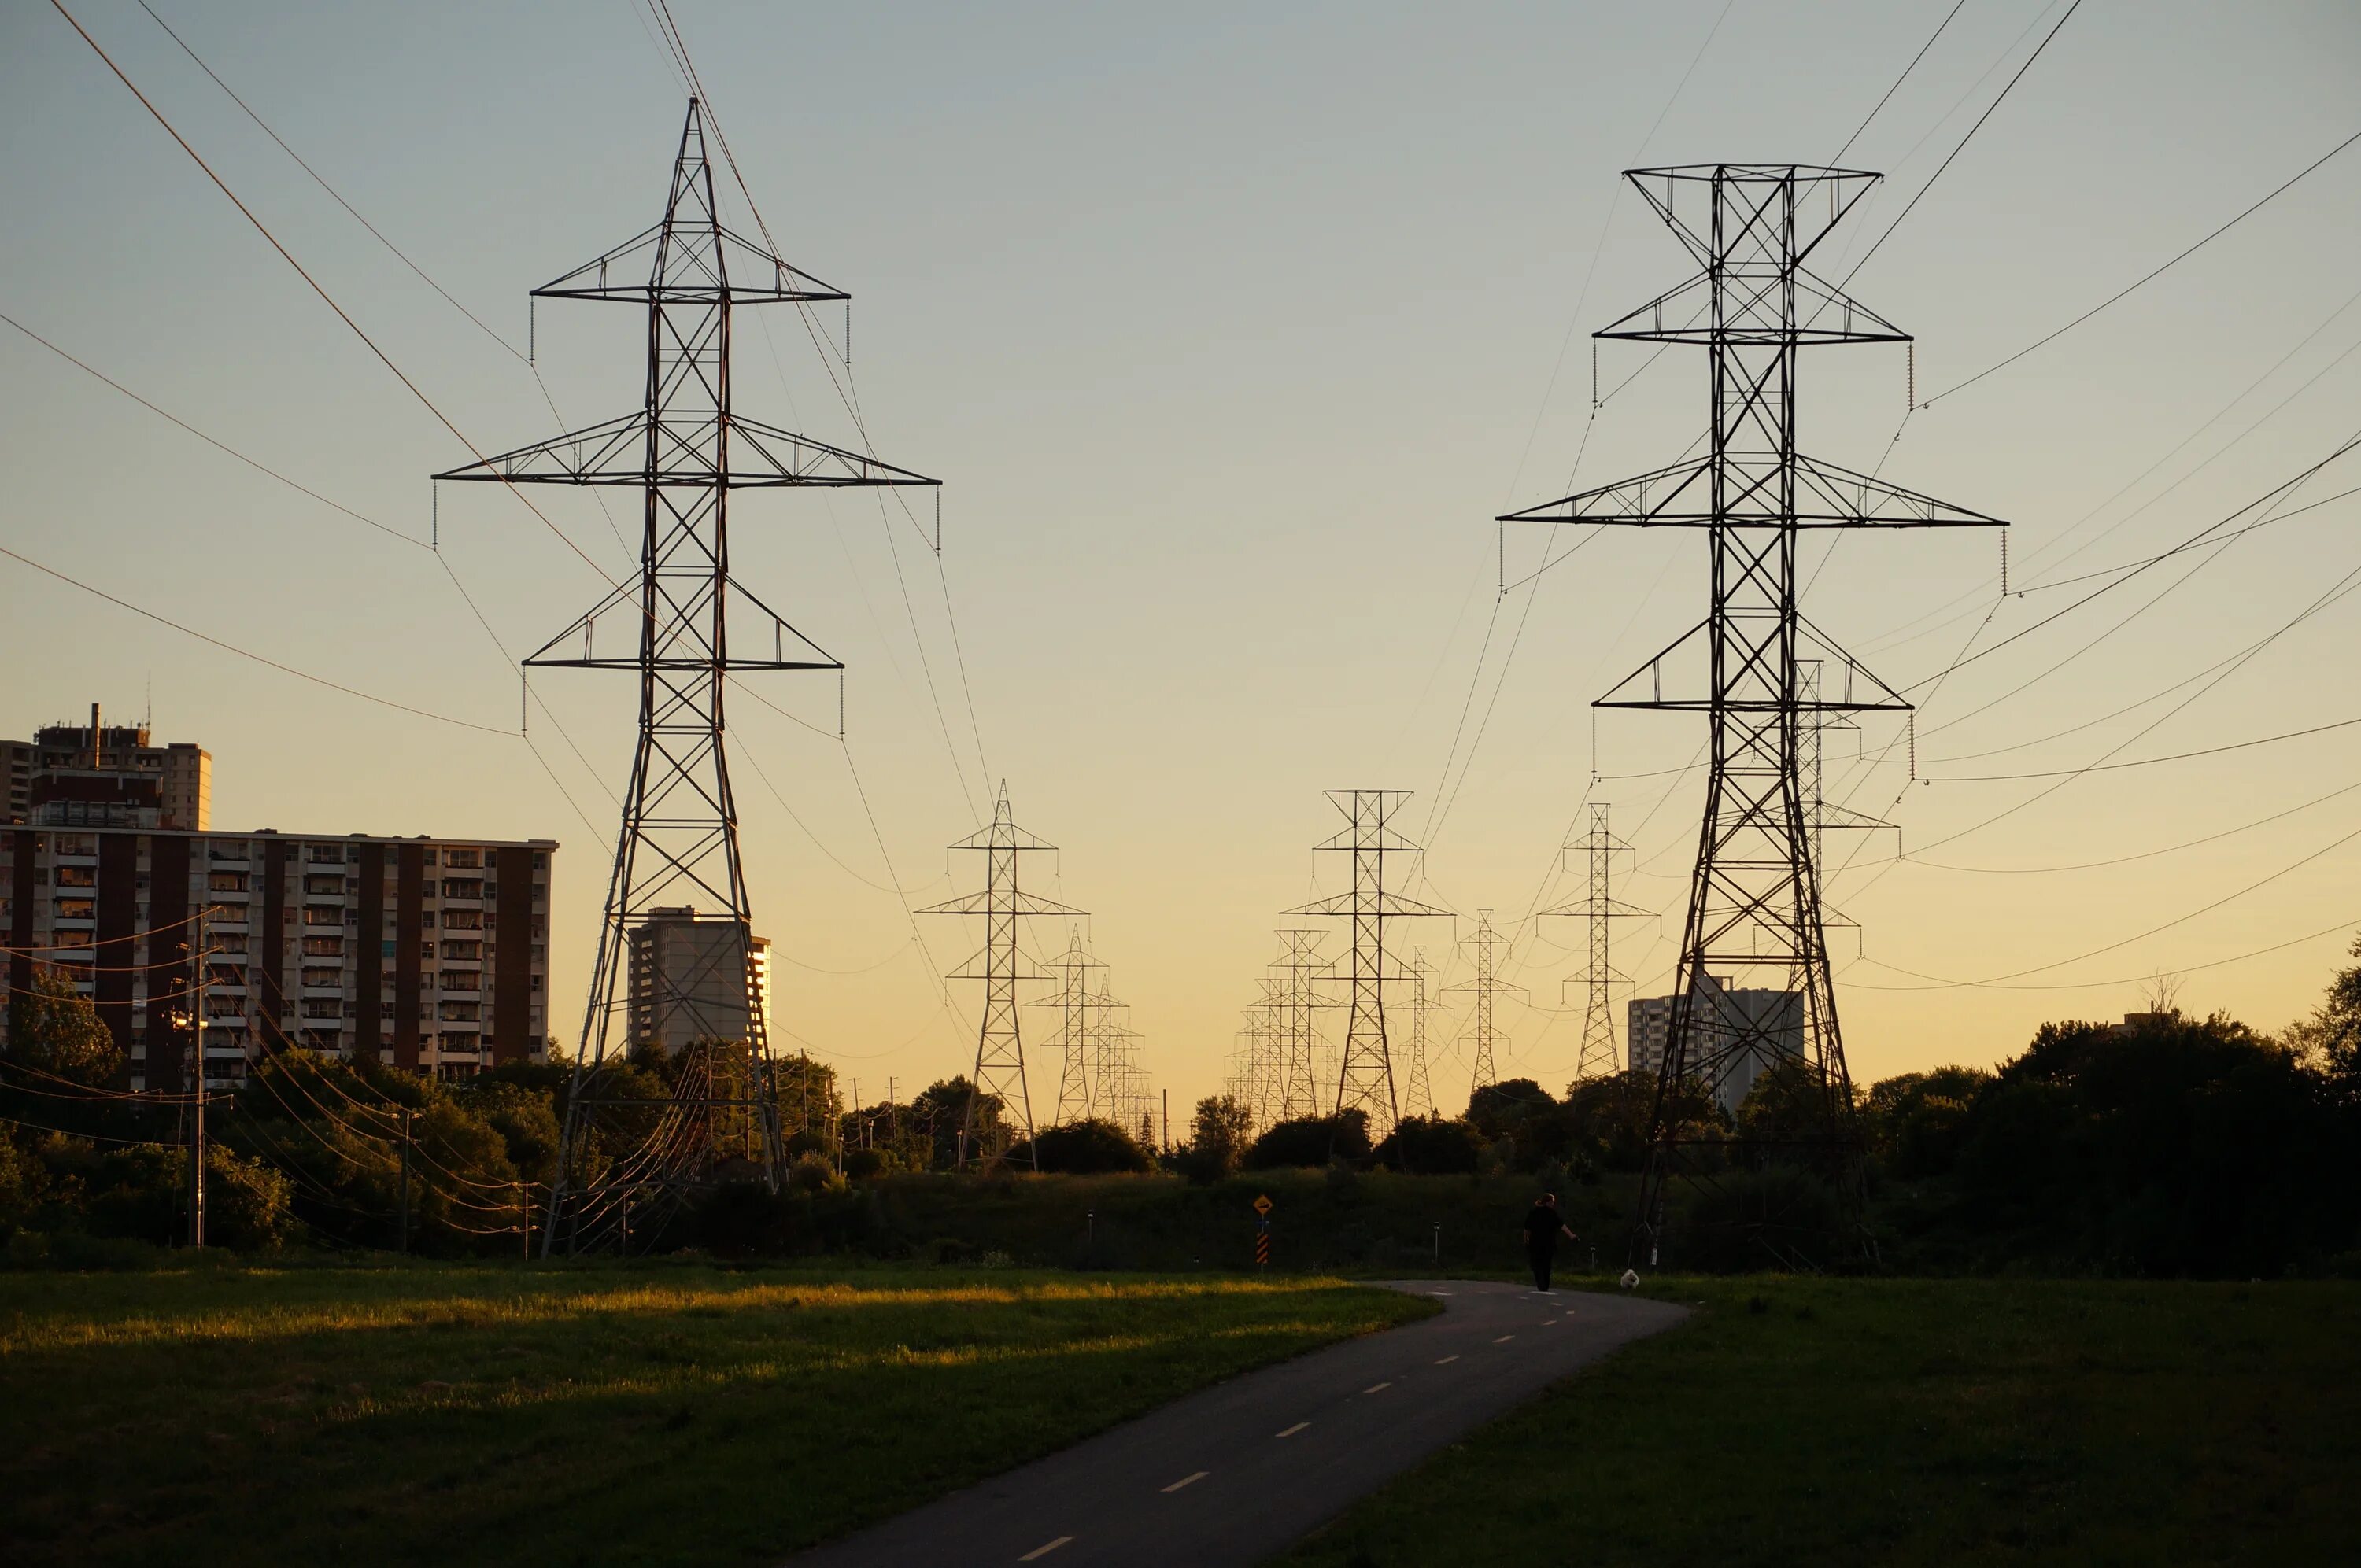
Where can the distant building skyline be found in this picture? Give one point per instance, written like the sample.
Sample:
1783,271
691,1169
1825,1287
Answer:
102,776
687,982
1777,1015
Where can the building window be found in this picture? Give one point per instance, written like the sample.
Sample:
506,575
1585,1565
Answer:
465,859
330,882
226,882
323,1007
323,974
460,1011
462,949
462,920
77,909
229,941
426,919
385,949
323,946
77,876
462,980
325,854
322,915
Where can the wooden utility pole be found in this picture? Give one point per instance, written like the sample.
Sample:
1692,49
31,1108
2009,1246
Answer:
405,1178
195,947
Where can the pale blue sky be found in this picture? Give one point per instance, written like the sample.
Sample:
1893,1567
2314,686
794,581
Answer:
1228,328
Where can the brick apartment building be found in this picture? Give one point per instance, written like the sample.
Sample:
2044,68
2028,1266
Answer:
103,776
431,952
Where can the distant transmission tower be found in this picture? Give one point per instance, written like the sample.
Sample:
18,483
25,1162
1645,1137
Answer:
1418,1099
1484,985
1365,1082
1299,1004
685,449
1598,910
999,1044
1073,1003
1754,901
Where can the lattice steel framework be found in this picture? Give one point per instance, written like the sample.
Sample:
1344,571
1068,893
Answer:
685,449
1485,985
1598,910
1754,901
1418,1097
1075,1084
1000,964
1366,1080
1297,1003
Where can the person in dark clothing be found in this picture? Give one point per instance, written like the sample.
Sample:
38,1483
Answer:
1543,1224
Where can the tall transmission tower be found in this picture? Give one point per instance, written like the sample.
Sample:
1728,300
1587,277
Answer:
1365,1082
1755,899
1073,1039
1299,1004
685,449
1000,965
1600,909
1485,985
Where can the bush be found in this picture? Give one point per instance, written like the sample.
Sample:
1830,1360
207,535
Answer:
1432,1146
1311,1140
1090,1148
860,1165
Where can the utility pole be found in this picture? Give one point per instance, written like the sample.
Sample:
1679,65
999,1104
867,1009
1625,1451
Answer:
405,1179
1298,1042
1485,984
200,957
685,449
1754,899
1599,911
999,1044
1367,1081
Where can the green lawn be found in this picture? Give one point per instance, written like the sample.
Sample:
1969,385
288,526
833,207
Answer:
662,1415
1905,1421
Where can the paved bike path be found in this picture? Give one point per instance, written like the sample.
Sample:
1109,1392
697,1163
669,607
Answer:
1231,1474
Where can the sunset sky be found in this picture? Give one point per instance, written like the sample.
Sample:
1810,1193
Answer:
1229,329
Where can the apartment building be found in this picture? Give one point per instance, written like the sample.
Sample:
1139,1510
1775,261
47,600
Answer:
691,977
1772,1017
432,953
100,775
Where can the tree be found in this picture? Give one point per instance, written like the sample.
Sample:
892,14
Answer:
1312,1140
2331,1037
1088,1147
1432,1146
1219,1135
940,1110
53,1029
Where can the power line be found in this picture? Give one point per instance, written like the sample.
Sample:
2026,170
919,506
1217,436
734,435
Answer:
1889,91
2149,278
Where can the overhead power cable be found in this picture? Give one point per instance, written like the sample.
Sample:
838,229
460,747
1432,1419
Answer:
325,298
2150,278
1889,91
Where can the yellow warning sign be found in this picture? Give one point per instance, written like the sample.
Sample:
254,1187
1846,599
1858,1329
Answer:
1262,1205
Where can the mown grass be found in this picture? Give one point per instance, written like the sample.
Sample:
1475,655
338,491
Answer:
1905,1421
669,1415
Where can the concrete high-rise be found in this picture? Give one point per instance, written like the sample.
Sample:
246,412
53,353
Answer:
1777,1016
432,954
687,982
101,776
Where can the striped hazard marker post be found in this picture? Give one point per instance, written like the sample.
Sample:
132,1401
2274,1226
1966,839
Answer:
1262,1206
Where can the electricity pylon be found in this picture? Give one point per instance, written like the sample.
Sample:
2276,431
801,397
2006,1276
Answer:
1299,1004
1366,1081
1598,910
1418,1098
1072,1002
1253,1077
1754,899
1000,1042
1484,985
685,449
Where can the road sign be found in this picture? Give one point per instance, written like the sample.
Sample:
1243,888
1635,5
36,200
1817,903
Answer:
1262,1205
1262,1248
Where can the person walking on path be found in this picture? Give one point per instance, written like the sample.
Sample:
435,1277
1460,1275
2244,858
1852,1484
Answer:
1543,1224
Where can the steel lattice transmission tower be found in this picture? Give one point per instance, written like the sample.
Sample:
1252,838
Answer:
1600,909
1754,899
1485,985
1366,1081
685,449
1298,1003
1072,1002
1000,964
1418,1098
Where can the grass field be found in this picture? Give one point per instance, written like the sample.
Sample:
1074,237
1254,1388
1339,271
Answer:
663,1415
1845,1421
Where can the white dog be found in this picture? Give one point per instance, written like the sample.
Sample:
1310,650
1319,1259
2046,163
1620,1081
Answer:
1630,1279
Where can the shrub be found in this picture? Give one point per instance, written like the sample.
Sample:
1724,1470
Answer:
1090,1148
1311,1140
